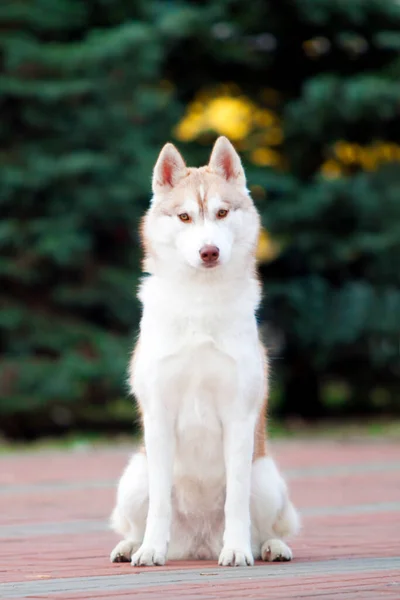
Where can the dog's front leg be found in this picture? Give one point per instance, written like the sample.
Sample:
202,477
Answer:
238,451
159,441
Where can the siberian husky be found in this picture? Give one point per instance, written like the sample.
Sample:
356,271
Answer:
204,485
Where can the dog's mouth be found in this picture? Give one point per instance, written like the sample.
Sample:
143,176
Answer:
211,265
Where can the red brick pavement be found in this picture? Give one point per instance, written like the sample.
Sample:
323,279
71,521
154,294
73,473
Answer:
53,527
373,586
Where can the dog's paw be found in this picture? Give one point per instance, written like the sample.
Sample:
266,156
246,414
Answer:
276,551
149,556
235,557
123,551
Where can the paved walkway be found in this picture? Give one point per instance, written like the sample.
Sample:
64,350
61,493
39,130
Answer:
54,540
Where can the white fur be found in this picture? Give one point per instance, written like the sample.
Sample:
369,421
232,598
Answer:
201,192
198,374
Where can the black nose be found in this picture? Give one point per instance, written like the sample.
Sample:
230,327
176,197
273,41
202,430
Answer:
209,254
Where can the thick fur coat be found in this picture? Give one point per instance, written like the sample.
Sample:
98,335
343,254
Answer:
204,485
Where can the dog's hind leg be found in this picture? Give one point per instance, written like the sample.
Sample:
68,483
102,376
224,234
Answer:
273,516
129,515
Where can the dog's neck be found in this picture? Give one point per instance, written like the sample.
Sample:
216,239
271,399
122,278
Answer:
223,286
229,275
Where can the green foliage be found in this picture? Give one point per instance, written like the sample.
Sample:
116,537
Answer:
83,116
89,92
334,292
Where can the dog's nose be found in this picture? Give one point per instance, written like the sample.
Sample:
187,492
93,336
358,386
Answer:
209,254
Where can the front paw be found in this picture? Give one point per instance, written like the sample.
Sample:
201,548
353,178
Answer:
123,551
235,557
149,556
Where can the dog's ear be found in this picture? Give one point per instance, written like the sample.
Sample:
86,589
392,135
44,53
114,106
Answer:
225,161
169,168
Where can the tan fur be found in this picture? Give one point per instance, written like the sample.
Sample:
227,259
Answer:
260,432
260,440
211,185
131,371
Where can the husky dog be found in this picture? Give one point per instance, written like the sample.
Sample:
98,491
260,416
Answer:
204,485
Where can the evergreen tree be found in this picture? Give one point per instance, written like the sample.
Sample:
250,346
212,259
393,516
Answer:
330,136
83,110
90,91
336,289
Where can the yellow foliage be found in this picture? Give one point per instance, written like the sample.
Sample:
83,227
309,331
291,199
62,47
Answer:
347,153
227,112
264,118
368,161
331,169
189,128
229,116
390,152
268,249
255,129
265,157
367,157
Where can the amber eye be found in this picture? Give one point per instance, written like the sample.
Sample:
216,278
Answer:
221,214
184,217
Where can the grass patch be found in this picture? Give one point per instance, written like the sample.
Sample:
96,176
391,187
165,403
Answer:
376,429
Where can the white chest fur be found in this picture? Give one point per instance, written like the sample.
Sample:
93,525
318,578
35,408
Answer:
198,348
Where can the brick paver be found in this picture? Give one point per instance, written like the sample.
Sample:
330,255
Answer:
55,542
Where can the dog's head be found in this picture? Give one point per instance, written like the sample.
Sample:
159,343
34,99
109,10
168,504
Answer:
200,218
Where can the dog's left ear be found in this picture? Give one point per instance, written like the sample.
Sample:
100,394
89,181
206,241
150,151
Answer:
225,161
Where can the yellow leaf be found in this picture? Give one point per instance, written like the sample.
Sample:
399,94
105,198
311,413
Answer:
331,169
265,157
229,116
347,153
264,118
390,152
188,129
267,249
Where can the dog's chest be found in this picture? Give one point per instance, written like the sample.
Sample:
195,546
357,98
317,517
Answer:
197,355
200,374
202,378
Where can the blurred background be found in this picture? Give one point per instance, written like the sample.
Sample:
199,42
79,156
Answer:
309,93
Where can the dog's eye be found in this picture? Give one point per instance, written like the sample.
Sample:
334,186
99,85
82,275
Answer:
221,214
184,217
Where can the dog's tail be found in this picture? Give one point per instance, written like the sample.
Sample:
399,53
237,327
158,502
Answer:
288,521
118,522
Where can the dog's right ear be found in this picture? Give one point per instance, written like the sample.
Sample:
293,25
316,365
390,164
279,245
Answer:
169,169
